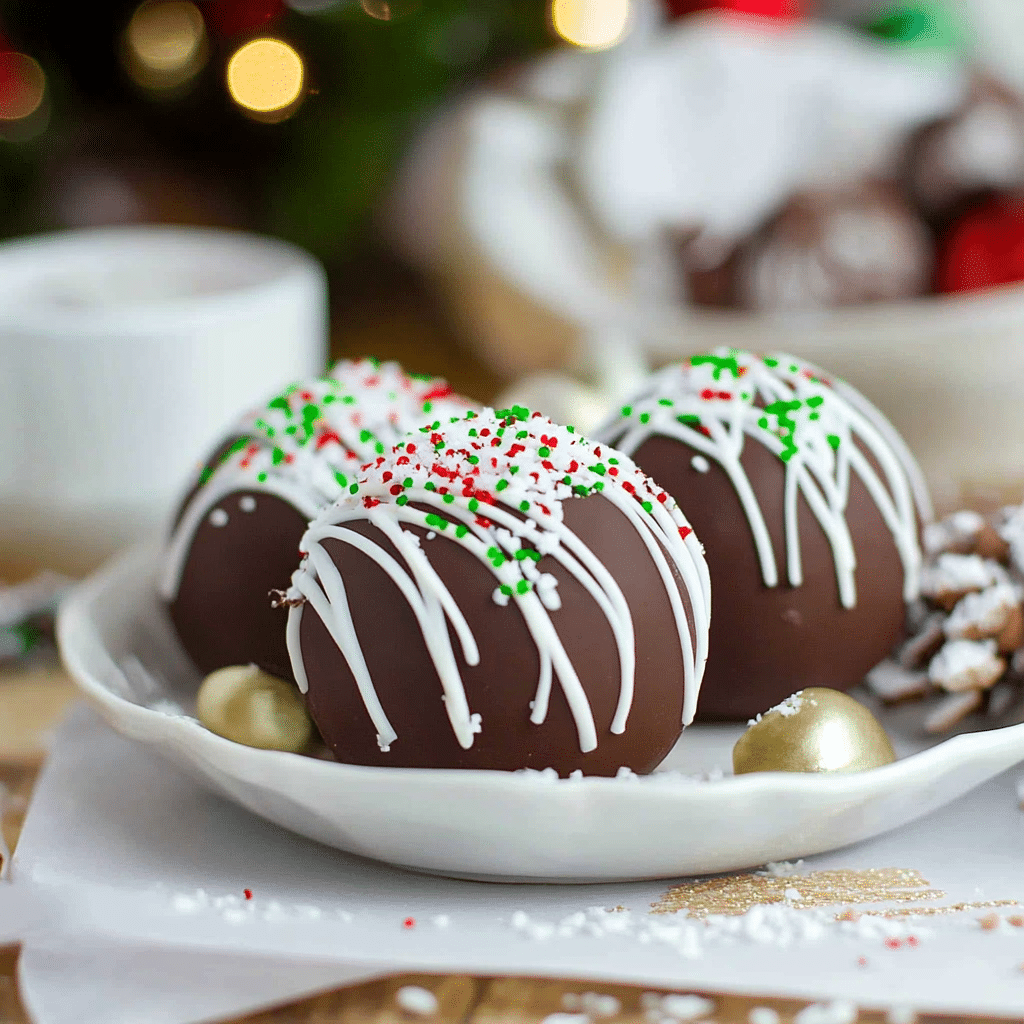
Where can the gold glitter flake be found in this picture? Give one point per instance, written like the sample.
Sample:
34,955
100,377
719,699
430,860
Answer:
954,908
736,894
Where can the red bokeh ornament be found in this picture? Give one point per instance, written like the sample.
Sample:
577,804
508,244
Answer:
787,9
984,248
228,18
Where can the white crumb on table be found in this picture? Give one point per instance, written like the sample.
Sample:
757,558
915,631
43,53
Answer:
838,1012
417,1000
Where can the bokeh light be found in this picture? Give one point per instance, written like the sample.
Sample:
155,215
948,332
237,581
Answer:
266,78
165,43
22,87
591,24
389,10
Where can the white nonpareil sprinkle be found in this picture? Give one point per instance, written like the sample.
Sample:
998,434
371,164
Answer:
686,1007
789,707
218,517
900,1015
592,1003
781,925
416,999
247,503
763,1015
700,464
839,1012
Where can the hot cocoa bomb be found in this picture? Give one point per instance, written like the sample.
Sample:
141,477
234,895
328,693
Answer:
501,593
808,504
236,537
825,248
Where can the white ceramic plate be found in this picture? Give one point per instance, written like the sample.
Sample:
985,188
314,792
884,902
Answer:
119,646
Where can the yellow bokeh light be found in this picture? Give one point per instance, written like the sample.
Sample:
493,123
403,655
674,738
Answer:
591,24
266,78
26,86
166,43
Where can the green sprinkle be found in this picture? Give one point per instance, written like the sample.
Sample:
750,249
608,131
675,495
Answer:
613,462
430,485
436,520
598,485
647,506
513,470
278,456
461,530
447,498
407,482
348,400
330,399
627,410
473,504
543,451
402,499
506,589
501,485
763,422
599,469
570,428
524,587
665,401
566,479
472,459
262,477
354,489
427,407
833,439
522,434
341,478
379,448
771,362
523,553
645,417
496,557
814,416
365,435
472,432
524,506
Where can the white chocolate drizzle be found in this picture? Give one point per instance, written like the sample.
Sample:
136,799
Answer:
495,483
821,431
306,445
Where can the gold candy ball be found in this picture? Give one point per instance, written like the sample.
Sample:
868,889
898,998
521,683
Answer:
815,730
245,704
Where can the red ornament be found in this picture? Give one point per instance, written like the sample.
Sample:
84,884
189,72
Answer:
984,248
227,18
788,9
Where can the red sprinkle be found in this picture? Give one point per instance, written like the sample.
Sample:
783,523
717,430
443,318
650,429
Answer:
862,961
247,893
409,922
685,531
893,943
912,940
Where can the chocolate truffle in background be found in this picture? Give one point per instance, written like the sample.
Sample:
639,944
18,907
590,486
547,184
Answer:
808,505
977,150
825,248
501,593
237,534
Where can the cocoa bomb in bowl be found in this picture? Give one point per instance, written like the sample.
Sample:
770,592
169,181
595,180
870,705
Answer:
236,535
501,593
809,507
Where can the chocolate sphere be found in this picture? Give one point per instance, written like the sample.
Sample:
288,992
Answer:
808,506
237,533
501,594
825,248
977,150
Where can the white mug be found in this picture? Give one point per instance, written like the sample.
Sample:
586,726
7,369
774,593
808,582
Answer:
124,354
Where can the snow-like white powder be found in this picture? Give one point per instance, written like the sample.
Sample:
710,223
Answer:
838,1012
416,1000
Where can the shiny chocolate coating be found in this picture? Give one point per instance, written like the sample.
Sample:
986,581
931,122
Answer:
768,642
222,610
501,687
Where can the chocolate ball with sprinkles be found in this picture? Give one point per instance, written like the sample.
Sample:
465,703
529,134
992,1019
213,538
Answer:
501,593
236,537
809,506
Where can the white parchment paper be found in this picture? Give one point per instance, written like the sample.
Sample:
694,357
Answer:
131,882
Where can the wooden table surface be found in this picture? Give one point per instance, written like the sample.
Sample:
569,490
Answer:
31,704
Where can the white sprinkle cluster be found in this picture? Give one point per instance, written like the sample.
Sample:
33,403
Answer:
592,1004
416,1000
951,532
780,925
237,910
673,1007
789,707
839,1012
982,612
